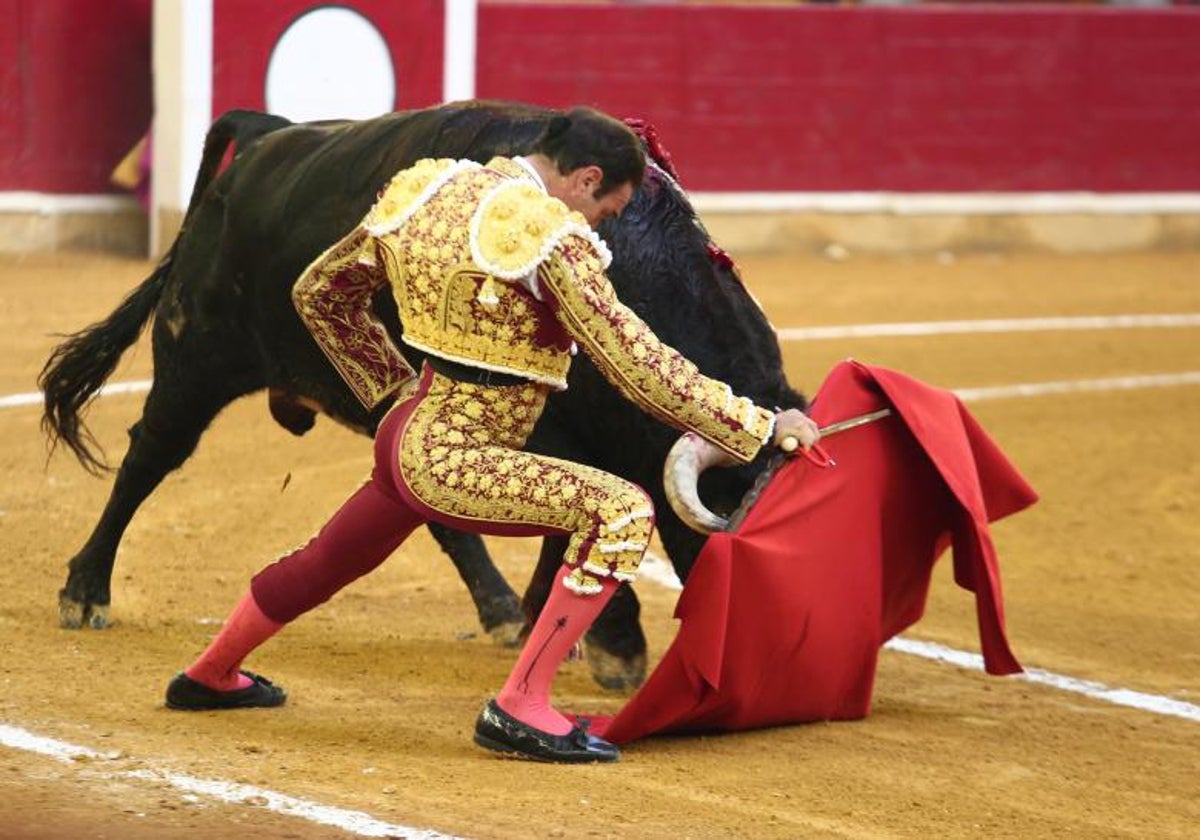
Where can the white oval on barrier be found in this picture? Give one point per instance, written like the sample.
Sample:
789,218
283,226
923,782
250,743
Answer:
330,63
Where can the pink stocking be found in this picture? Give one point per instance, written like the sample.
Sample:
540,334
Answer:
564,620
245,629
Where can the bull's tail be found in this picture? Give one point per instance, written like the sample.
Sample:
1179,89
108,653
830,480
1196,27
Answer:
240,127
81,364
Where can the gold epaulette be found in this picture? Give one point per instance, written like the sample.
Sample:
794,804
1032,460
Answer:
517,226
408,190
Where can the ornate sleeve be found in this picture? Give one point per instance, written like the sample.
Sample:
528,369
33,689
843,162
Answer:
333,299
631,357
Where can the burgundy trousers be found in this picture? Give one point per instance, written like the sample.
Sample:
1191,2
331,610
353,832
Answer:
607,518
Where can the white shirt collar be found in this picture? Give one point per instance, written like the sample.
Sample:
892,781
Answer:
524,163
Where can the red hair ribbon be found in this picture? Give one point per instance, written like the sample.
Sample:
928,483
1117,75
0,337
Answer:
659,154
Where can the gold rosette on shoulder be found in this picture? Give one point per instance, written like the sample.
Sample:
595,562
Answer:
407,191
516,227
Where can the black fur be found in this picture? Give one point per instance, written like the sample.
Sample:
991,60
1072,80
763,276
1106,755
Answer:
224,326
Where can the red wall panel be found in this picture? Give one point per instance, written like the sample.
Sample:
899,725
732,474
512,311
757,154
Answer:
75,91
12,96
996,98
245,31
810,98
1141,88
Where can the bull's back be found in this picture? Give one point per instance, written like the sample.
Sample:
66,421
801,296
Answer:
296,191
301,188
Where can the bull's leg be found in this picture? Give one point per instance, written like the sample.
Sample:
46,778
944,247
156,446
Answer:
615,645
153,452
497,605
177,411
86,597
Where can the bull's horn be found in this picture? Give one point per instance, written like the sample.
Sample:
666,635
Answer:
690,456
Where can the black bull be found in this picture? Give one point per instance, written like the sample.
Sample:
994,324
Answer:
224,327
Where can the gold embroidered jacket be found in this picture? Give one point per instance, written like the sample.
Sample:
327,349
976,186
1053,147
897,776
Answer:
490,271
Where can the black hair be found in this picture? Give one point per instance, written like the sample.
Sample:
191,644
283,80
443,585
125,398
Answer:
586,137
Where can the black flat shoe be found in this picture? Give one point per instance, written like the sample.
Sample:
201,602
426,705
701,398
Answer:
500,732
187,694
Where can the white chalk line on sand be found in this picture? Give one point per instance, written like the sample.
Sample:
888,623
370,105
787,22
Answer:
992,392
353,822
909,328
659,570
1099,691
135,386
1076,386
991,325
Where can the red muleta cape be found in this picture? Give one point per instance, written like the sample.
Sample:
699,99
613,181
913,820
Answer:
783,620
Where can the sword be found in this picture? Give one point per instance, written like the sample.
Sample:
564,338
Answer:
790,444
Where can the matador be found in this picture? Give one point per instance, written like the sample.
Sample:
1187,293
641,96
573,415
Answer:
499,278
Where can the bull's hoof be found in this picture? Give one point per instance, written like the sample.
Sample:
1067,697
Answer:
502,619
509,634
73,615
70,613
613,672
97,617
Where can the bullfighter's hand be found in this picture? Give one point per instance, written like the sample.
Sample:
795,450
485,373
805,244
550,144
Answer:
794,427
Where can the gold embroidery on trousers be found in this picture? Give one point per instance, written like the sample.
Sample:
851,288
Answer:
460,455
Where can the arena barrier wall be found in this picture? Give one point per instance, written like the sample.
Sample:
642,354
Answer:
871,128
75,96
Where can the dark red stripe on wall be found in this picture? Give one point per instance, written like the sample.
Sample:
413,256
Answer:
788,98
938,99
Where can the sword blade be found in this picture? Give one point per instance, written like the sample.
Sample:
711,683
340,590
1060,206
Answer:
854,422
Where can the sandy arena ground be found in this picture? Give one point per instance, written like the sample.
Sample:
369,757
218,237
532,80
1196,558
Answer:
386,680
